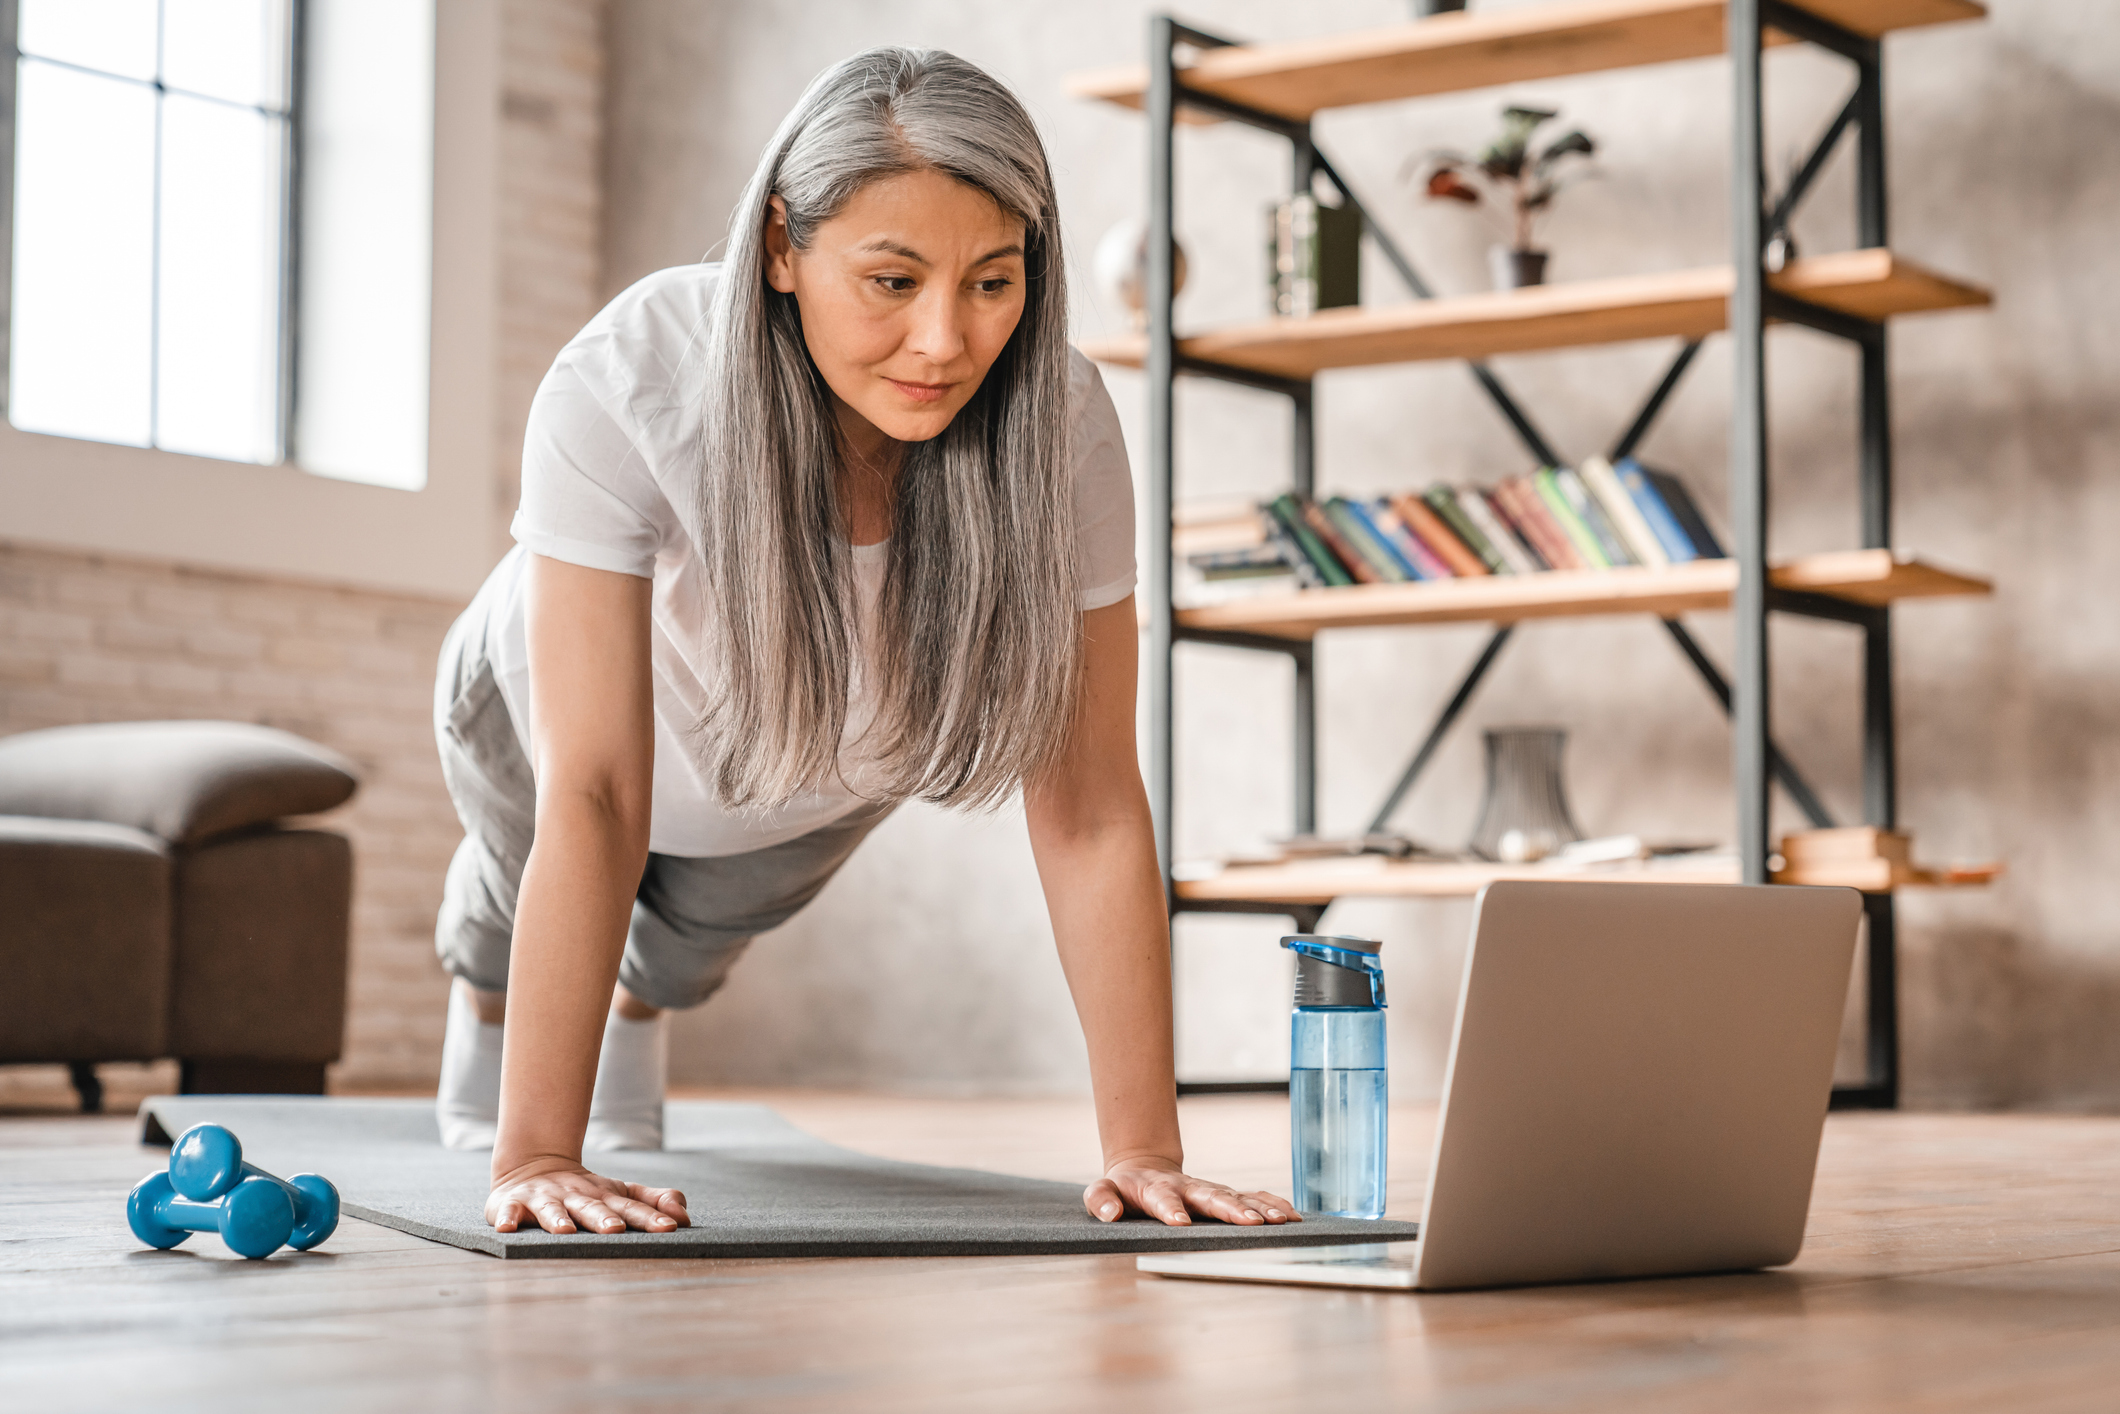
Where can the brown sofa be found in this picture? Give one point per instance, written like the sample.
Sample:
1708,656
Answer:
152,904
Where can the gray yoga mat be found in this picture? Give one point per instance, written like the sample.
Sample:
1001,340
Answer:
757,1187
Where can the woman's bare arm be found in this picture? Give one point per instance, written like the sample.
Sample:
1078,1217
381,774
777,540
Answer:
1095,844
592,740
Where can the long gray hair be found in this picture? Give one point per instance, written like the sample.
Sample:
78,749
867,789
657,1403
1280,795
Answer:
977,653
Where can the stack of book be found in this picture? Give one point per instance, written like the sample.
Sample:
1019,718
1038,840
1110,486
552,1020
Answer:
1598,516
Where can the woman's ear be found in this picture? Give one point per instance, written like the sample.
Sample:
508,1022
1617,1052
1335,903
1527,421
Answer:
780,251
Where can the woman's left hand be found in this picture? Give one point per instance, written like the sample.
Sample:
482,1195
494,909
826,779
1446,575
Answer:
1163,1191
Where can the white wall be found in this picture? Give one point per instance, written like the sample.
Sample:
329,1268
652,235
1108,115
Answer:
928,963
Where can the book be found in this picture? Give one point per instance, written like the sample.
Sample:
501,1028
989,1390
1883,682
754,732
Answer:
1519,496
1521,558
1200,527
1234,561
1501,499
1289,512
1408,544
1555,503
1306,572
1313,256
1356,532
1593,517
1444,502
1619,508
1276,570
1366,517
1850,843
1351,560
1687,512
1429,528
1678,545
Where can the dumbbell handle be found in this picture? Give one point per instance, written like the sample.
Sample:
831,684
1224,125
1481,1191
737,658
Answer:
294,1194
175,1210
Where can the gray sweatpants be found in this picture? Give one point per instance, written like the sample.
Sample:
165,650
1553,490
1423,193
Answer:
692,918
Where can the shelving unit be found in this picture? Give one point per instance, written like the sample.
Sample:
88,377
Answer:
1278,88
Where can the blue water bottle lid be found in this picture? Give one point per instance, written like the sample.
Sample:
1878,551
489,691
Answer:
1336,971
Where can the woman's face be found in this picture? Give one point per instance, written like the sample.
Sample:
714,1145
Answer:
908,295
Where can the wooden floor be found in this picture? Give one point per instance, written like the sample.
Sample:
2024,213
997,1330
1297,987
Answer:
1954,1262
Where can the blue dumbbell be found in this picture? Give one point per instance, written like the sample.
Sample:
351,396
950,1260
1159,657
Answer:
207,1161
254,1218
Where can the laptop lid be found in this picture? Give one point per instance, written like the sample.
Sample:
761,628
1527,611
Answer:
1638,1079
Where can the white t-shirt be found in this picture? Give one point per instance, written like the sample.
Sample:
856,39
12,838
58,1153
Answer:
607,462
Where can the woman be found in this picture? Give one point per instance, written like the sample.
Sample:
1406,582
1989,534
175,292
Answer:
838,523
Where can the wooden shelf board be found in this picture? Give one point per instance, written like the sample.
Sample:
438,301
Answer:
1862,576
1320,882
1455,52
1686,304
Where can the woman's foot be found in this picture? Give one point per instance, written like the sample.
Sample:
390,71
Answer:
467,1105
626,1110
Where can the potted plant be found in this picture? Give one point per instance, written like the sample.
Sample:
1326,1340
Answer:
1517,178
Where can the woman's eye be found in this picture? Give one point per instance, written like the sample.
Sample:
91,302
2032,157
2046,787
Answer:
995,285
896,284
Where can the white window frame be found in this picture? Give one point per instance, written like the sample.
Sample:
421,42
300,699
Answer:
280,521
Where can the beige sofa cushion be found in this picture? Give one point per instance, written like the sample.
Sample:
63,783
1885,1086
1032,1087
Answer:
182,781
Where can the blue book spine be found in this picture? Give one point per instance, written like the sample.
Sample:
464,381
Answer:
1677,544
1391,548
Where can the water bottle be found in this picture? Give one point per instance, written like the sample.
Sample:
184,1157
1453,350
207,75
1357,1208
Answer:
1336,1088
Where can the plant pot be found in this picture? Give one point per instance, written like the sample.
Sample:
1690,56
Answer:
1516,269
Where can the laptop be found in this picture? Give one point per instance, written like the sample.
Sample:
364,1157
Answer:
1638,1080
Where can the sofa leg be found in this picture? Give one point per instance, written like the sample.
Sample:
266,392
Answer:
250,1077
86,1085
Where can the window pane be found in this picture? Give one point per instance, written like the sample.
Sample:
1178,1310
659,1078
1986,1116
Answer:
218,340
116,36
78,363
367,223
232,49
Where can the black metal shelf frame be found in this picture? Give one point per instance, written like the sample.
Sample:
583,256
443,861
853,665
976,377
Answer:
1757,760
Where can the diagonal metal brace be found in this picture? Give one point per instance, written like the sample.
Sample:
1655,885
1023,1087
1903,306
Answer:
1632,437
1442,726
1800,184
1298,130
1519,421
1778,765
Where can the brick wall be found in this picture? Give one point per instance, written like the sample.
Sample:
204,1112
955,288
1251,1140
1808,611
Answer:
87,638
551,203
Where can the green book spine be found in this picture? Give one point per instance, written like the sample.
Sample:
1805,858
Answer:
1323,560
1306,573
1444,502
1593,515
1365,544
1579,536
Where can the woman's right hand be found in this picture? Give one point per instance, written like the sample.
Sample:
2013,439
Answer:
559,1195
